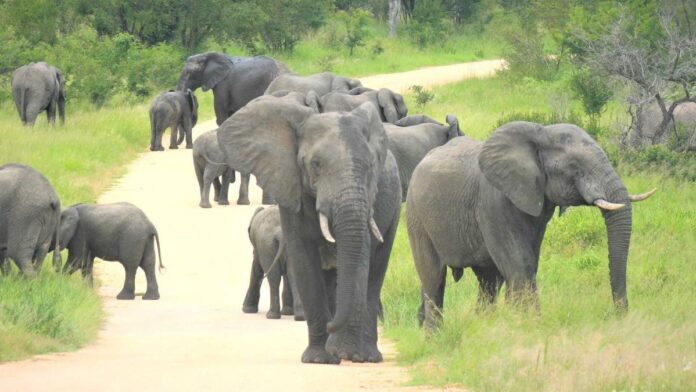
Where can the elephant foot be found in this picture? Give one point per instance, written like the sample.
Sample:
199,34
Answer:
300,317
268,201
372,354
205,204
250,309
243,202
319,355
151,295
174,147
343,348
223,203
125,295
189,146
287,311
273,315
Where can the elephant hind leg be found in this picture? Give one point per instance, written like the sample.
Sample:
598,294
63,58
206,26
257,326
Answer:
128,291
251,300
490,281
274,286
432,274
149,264
287,309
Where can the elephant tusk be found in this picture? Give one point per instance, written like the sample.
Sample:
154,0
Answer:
324,224
375,231
609,206
642,196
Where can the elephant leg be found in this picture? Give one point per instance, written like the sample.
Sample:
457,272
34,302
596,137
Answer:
287,309
490,281
188,129
159,133
128,291
87,270
244,190
274,286
297,307
26,252
39,258
330,276
217,186
182,135
223,198
173,145
266,198
251,300
303,261
208,178
5,267
51,113
149,266
432,275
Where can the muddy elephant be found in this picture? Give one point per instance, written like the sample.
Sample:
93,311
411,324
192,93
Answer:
210,167
234,80
269,262
37,87
411,138
337,187
390,105
29,218
321,83
505,191
113,232
176,110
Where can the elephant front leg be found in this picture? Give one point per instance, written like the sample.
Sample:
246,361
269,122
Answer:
244,190
87,270
208,178
223,197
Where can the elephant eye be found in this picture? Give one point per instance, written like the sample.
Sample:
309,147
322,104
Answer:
314,163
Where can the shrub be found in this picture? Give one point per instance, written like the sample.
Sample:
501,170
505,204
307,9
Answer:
428,24
422,96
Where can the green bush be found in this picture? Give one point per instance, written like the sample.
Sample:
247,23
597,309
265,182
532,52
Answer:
428,24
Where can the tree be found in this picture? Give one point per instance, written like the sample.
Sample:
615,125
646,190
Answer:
394,11
655,54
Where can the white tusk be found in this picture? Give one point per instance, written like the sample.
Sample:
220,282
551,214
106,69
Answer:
605,205
642,196
324,224
375,231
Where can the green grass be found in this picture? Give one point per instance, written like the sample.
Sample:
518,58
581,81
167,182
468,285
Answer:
576,342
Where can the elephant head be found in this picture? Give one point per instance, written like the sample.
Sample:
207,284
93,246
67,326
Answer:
193,105
560,165
69,222
392,105
343,84
204,70
324,167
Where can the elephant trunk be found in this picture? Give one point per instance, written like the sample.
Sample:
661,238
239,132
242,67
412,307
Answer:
618,223
351,219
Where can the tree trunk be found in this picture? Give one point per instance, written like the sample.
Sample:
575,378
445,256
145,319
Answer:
394,10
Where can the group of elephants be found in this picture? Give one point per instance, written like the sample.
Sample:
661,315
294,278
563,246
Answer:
339,159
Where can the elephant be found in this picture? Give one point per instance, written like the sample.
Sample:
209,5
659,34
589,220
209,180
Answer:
412,141
113,232
649,117
269,262
338,193
234,80
29,219
321,83
390,105
210,167
37,87
177,110
505,191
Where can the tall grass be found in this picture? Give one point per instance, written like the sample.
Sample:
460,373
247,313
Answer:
576,342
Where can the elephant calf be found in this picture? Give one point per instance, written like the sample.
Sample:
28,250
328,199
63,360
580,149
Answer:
269,261
113,232
177,110
412,137
389,105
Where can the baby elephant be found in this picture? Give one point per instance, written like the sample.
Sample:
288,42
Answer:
266,236
177,110
113,232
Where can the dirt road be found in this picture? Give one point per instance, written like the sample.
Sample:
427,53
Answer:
196,338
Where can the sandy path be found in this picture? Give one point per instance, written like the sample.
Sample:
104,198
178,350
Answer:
196,338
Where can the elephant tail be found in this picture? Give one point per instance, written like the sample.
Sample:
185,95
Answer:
457,273
278,256
23,104
159,252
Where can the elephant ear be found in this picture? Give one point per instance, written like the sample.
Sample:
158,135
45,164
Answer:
193,105
509,160
313,101
453,130
260,139
374,132
388,103
61,83
215,71
359,90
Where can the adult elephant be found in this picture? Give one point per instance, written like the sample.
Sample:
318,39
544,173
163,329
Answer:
390,105
411,141
234,80
29,219
321,83
649,119
505,191
337,188
37,87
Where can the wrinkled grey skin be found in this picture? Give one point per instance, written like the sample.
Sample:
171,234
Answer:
321,83
113,232
176,110
210,167
234,80
485,205
336,165
37,87
410,143
266,237
650,117
389,105
29,218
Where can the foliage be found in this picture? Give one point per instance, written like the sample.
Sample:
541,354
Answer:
355,22
427,24
591,91
421,95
